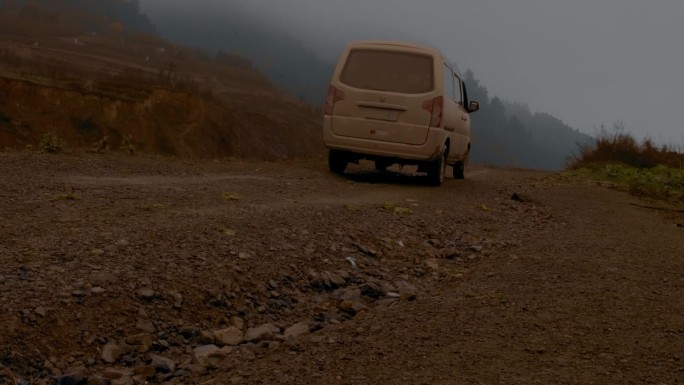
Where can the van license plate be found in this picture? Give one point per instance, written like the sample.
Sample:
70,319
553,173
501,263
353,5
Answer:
382,114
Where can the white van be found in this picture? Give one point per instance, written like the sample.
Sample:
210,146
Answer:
397,103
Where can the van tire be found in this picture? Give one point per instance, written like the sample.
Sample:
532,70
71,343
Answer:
437,169
337,161
381,165
459,170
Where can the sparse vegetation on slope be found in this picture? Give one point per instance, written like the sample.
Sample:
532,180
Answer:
141,92
645,169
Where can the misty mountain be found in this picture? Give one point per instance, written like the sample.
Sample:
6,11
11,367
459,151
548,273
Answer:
91,16
509,134
229,27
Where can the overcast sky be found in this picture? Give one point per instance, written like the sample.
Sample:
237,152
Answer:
588,62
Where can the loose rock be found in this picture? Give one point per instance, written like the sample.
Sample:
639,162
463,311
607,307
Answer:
231,336
146,294
142,342
297,330
163,364
264,332
407,291
111,352
145,325
209,356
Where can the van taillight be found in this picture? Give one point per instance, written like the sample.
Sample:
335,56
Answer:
435,107
334,96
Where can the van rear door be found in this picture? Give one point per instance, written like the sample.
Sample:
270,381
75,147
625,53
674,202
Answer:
381,95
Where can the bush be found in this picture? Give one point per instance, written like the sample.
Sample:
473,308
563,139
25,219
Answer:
620,147
52,143
644,169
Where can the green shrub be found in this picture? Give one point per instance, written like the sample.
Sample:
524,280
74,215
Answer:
52,143
644,169
127,145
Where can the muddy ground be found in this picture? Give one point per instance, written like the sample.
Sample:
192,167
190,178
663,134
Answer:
120,269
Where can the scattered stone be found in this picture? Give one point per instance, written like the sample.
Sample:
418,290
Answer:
146,294
451,253
238,322
80,371
177,299
407,291
190,332
122,242
78,293
315,279
372,290
124,381
352,307
264,332
388,302
71,380
352,261
98,380
337,280
111,352
162,364
432,264
206,338
208,356
348,294
114,374
366,250
73,376
145,371
297,330
2,280
231,336
145,325
111,248
41,311
142,342
98,290
476,249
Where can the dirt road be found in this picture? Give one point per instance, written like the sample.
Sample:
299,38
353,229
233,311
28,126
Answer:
121,270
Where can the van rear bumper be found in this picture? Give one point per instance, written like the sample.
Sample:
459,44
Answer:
371,149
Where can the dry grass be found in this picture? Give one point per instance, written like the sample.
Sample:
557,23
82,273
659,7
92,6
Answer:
642,168
620,147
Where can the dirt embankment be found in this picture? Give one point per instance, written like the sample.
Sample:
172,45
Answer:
122,270
155,120
160,98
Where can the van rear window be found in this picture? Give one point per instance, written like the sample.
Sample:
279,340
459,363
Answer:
389,71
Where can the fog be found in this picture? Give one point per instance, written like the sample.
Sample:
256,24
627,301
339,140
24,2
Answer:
590,63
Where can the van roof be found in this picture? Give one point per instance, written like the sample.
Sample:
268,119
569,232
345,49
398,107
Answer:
402,44
385,43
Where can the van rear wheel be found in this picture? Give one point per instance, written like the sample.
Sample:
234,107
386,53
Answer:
381,165
437,170
337,161
459,170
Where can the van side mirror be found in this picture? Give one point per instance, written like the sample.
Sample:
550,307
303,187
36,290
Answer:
473,106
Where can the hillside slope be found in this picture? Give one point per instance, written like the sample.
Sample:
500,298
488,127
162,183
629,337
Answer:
160,97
